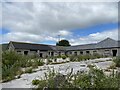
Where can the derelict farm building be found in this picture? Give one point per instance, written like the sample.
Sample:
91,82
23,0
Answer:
107,47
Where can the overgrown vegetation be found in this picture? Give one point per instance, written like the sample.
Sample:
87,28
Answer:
94,79
84,57
117,61
12,64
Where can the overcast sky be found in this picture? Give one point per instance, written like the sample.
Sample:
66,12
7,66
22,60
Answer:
42,22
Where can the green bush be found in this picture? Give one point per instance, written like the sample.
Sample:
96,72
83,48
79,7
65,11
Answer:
117,61
96,55
40,62
73,58
95,78
12,63
84,57
29,70
63,57
35,82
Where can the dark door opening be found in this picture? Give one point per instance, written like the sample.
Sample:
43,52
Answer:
114,52
75,53
41,55
87,52
81,52
59,53
52,53
25,52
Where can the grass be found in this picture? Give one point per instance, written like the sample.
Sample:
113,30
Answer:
35,82
113,66
80,80
29,70
13,62
84,57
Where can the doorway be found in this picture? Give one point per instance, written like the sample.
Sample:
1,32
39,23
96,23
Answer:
25,52
114,52
59,53
52,53
41,55
75,53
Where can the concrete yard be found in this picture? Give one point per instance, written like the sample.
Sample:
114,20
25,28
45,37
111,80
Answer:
26,79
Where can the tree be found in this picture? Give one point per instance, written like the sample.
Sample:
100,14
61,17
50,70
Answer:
63,43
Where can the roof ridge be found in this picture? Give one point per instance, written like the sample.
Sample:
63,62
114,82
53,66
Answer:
28,43
108,38
86,44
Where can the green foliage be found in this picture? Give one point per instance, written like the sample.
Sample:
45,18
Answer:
55,80
35,82
9,58
64,57
36,62
94,79
84,57
117,61
49,80
40,62
113,66
10,65
13,62
73,58
96,55
63,43
29,70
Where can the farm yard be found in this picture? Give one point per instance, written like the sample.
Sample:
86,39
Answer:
35,76
60,45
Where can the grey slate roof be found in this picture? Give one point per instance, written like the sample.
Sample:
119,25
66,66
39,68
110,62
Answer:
30,46
82,47
58,48
107,43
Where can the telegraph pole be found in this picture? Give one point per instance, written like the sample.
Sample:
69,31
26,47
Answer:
59,37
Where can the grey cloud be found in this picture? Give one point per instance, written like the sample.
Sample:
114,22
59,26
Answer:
49,18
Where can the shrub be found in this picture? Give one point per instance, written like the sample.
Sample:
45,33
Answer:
13,62
72,58
117,61
29,70
96,55
40,63
35,82
84,57
64,57
9,58
95,78
113,66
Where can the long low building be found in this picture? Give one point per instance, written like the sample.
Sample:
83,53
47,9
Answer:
107,47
